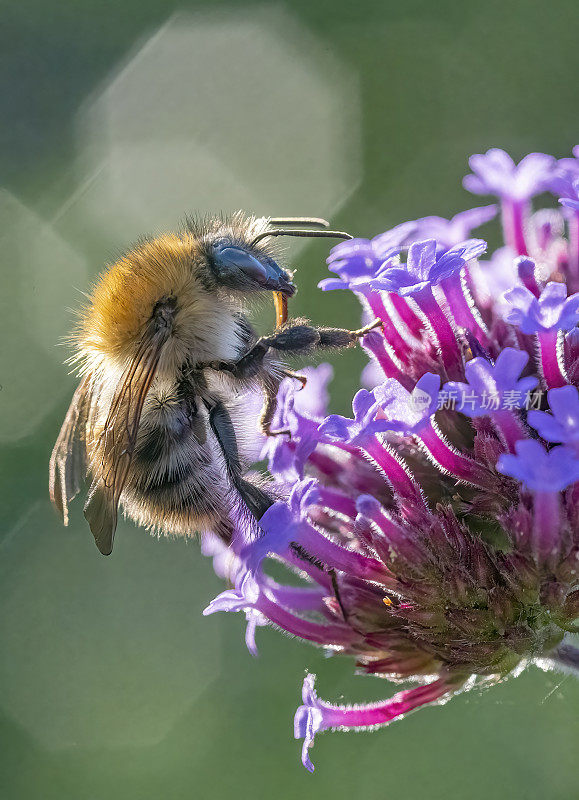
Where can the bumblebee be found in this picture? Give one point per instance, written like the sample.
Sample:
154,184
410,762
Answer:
164,349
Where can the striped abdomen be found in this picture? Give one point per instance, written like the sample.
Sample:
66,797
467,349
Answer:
176,482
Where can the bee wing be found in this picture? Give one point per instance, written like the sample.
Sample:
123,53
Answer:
68,461
118,442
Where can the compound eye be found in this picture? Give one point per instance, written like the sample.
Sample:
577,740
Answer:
238,268
231,259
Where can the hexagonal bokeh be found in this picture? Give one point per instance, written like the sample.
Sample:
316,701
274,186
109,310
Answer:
215,113
43,278
114,653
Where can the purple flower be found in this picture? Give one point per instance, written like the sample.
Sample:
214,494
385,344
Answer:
225,563
451,232
497,275
383,515
315,715
360,258
309,719
553,310
280,525
426,267
491,387
299,411
541,470
408,412
565,181
254,621
563,424
313,399
546,226
235,599
571,200
496,173
371,375
364,425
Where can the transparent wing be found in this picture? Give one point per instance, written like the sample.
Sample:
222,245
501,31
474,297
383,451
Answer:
68,462
118,442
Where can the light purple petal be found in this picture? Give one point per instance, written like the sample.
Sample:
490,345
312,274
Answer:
539,470
329,284
408,412
421,258
496,173
563,424
486,381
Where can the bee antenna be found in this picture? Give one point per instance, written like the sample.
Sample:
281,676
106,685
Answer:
281,222
305,233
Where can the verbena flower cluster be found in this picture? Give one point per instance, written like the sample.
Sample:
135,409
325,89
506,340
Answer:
436,531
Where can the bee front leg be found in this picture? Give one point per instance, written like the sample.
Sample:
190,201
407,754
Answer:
302,338
296,338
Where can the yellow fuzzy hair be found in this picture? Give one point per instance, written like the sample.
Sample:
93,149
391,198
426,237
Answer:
123,299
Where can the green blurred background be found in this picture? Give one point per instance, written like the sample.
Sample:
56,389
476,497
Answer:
117,119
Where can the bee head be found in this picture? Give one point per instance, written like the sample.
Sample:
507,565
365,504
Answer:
188,284
240,260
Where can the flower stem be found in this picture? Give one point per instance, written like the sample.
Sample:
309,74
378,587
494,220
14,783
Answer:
399,477
452,461
551,356
305,629
513,215
336,503
391,333
407,315
444,333
573,268
335,556
546,526
376,345
510,428
463,309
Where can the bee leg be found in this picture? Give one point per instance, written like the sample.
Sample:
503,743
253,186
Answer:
296,338
371,326
248,365
270,387
296,376
342,337
303,554
302,338
256,500
270,390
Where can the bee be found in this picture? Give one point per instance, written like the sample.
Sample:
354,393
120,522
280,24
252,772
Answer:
165,348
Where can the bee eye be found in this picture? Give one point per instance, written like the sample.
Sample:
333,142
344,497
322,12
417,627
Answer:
231,260
238,268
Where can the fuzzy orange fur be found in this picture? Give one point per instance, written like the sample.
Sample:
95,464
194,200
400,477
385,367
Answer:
123,299
124,296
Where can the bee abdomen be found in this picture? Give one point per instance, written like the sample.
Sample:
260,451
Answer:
175,485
